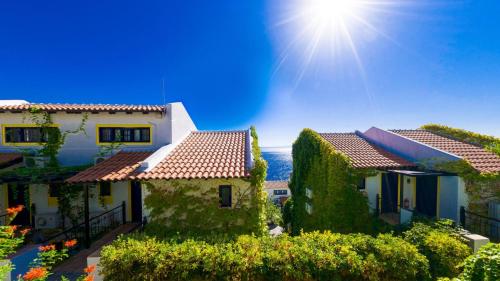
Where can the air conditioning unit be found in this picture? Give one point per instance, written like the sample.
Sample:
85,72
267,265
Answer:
35,161
100,159
44,221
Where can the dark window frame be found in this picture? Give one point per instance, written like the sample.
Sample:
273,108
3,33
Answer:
225,202
54,189
105,185
124,134
362,184
17,135
280,192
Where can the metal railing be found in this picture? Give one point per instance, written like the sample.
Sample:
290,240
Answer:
98,226
483,225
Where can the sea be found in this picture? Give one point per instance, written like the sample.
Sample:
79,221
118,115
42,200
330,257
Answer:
279,161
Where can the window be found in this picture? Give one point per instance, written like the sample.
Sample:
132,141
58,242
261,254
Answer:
54,189
25,135
309,208
108,134
280,192
309,193
225,200
53,194
105,189
362,184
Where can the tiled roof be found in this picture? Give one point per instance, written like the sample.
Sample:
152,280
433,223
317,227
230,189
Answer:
481,159
364,154
204,155
84,107
9,159
276,184
116,168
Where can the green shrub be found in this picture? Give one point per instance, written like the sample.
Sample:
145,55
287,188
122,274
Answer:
273,213
442,246
310,256
484,265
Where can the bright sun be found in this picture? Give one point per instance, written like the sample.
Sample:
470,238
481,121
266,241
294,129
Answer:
330,27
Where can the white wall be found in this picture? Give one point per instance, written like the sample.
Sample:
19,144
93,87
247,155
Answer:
372,189
448,197
81,149
408,183
180,123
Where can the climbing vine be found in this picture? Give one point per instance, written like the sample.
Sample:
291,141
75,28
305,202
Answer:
336,203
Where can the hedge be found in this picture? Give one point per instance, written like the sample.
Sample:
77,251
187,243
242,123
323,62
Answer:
442,246
484,265
309,256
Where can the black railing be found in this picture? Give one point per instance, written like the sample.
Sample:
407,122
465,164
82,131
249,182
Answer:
98,226
479,224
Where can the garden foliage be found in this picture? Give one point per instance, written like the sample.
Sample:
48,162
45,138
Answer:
336,203
309,256
442,245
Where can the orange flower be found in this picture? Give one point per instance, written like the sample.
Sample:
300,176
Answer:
70,243
11,229
14,210
35,273
47,248
89,278
25,231
89,269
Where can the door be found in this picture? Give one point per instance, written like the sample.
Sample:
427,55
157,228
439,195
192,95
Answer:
19,195
426,196
389,193
136,197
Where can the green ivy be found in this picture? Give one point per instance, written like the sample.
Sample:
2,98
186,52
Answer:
336,202
195,209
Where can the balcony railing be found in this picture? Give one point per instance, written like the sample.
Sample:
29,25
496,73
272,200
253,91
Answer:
483,225
98,226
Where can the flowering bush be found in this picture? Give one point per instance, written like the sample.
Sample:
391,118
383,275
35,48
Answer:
11,237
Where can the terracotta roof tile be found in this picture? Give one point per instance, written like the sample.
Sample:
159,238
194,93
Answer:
9,159
364,154
219,154
276,184
481,159
84,107
116,168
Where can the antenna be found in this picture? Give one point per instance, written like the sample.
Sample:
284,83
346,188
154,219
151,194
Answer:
163,91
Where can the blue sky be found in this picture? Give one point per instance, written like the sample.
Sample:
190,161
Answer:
237,63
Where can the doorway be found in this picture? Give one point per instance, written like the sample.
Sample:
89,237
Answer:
136,197
426,196
18,194
389,193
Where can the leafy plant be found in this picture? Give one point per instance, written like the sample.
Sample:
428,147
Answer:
273,213
309,256
442,245
484,265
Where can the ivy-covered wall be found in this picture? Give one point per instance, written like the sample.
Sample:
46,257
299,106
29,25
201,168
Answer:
481,188
336,203
192,206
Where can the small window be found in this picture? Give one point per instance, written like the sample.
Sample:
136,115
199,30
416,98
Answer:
225,200
309,208
362,184
126,135
54,189
104,189
280,192
22,135
309,193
